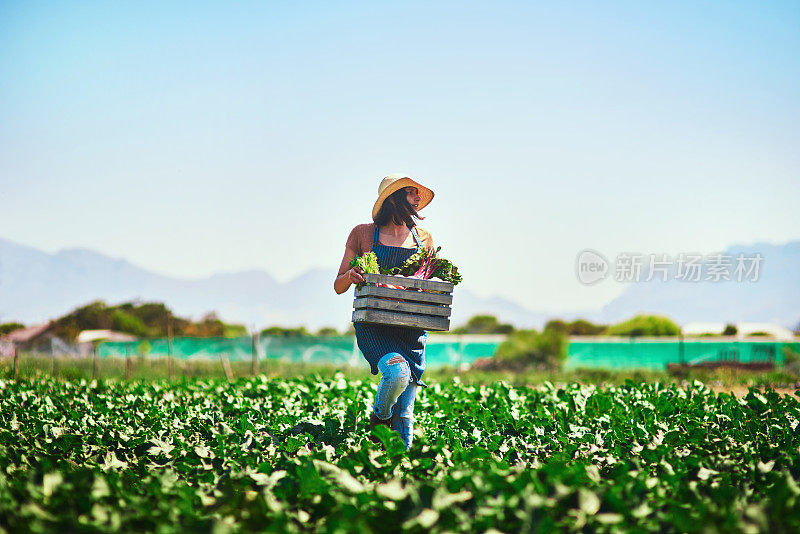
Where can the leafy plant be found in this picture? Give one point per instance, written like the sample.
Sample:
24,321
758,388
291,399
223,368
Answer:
426,264
295,456
368,263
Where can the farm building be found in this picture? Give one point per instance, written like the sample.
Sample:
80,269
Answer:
88,339
39,339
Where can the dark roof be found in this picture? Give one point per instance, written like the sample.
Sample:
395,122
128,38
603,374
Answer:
23,335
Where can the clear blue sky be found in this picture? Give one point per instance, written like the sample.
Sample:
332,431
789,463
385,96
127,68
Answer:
197,137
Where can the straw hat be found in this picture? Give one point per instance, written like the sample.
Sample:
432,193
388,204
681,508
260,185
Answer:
396,181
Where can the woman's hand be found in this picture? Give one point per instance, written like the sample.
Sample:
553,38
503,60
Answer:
354,275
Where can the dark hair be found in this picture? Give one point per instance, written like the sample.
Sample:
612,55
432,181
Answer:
395,208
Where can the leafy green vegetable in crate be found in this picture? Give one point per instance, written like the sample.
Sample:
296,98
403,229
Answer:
368,263
426,264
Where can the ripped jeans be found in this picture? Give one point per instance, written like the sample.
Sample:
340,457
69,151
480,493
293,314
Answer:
396,394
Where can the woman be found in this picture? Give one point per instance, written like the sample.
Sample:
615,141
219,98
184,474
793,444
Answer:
397,352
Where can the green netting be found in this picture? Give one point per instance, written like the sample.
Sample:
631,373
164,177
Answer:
656,354
455,350
458,350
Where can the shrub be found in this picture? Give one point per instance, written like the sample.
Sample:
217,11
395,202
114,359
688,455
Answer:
791,357
327,331
529,348
279,331
125,322
579,327
235,330
7,328
484,324
645,325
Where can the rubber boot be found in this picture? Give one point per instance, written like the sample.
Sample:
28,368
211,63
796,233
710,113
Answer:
374,421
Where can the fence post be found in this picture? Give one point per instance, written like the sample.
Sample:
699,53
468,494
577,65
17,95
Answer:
254,348
52,359
95,364
170,362
16,363
127,362
354,354
226,366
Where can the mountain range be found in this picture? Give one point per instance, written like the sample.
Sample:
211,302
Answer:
36,286
773,296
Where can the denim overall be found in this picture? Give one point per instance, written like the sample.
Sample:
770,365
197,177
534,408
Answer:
397,352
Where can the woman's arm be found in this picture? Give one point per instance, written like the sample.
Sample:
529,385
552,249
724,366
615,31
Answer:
347,275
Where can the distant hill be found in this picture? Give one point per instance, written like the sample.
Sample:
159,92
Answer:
773,298
36,286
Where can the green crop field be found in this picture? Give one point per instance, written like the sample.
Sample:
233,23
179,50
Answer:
283,455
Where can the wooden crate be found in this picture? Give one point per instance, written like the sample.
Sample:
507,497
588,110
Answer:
428,309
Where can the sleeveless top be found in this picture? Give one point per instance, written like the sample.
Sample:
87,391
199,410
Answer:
377,340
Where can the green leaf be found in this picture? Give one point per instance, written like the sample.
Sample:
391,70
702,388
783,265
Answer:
111,462
426,519
50,482
589,501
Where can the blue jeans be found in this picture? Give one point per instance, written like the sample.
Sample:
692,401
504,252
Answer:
396,394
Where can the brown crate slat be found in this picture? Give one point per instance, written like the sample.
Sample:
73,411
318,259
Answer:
430,285
416,296
425,304
426,322
401,306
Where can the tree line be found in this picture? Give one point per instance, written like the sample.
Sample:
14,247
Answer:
155,319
